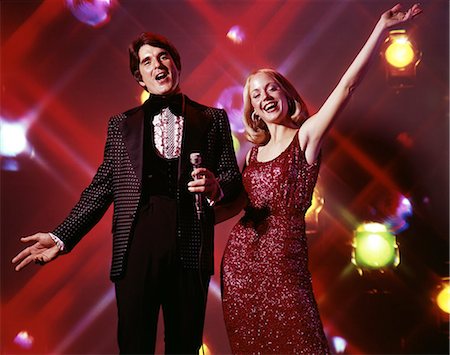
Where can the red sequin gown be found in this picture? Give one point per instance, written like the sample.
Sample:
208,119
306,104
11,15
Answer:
268,302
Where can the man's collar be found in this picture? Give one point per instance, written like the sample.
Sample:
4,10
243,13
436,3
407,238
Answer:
155,103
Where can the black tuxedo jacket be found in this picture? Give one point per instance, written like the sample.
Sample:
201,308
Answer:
118,180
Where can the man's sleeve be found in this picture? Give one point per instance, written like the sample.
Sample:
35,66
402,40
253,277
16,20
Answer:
94,200
227,169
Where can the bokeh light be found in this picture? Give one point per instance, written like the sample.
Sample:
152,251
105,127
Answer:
236,34
204,350
236,143
13,139
312,214
144,96
231,101
24,340
339,344
94,13
398,222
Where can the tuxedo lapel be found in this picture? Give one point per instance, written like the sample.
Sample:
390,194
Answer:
196,124
133,134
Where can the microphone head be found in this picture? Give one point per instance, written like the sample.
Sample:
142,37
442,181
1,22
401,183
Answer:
196,159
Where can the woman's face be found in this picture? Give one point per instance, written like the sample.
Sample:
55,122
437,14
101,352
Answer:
268,99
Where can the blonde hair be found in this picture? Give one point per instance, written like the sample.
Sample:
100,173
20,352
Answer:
257,132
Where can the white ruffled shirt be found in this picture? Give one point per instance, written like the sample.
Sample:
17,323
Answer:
168,145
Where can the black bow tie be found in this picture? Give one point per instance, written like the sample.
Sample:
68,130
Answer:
156,103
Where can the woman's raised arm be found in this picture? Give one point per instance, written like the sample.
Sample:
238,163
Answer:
314,129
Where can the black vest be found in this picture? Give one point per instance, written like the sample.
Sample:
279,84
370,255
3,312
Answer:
159,175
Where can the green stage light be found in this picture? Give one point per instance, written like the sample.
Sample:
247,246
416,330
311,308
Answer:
374,247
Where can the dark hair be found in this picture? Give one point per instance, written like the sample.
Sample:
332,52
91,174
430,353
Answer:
154,40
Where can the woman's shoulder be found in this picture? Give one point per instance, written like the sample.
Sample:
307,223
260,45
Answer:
251,154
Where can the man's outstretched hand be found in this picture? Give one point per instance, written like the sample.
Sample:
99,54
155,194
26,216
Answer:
41,252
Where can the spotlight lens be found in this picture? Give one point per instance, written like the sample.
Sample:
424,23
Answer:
400,53
375,246
443,299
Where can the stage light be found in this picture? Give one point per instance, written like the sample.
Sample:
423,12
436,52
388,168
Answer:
374,247
312,214
443,298
236,143
398,222
236,35
230,100
13,139
204,350
144,96
402,57
24,340
339,344
400,53
94,13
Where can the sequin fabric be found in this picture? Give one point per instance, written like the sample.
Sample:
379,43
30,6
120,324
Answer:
268,302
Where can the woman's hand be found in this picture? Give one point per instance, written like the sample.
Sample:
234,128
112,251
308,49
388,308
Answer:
395,16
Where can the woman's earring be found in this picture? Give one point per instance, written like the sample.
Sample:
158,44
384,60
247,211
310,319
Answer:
255,118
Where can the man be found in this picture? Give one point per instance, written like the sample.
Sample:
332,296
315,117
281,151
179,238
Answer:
162,249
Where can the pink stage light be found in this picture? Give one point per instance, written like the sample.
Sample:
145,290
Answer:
24,340
236,34
94,13
231,101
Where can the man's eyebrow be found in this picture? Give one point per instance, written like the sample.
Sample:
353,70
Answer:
145,59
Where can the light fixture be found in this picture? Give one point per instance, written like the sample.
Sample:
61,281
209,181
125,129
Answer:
443,296
401,59
312,214
374,247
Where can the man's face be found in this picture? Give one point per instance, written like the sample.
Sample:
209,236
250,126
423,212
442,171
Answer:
158,71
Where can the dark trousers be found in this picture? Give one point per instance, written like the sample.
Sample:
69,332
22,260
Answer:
154,279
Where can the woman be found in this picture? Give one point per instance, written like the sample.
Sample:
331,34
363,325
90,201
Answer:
268,302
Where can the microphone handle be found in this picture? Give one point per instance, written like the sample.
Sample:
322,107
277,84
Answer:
198,198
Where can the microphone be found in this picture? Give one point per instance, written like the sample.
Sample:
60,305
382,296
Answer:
196,161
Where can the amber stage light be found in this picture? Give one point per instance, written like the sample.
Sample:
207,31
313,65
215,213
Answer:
401,59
